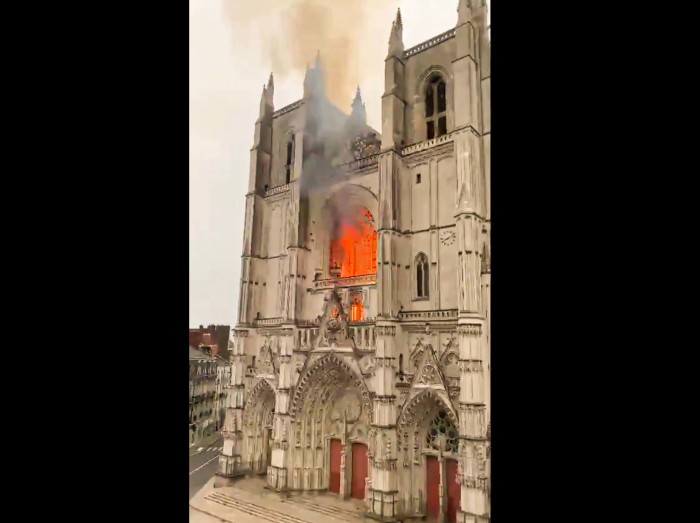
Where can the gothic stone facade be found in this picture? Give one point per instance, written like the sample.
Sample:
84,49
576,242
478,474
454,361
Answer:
373,383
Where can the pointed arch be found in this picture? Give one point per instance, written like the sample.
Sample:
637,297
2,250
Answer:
423,403
261,395
421,271
322,375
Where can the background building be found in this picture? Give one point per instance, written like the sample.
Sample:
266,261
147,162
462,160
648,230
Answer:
361,358
223,383
203,390
213,337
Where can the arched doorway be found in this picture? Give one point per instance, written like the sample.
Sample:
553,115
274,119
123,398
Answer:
331,412
429,426
257,430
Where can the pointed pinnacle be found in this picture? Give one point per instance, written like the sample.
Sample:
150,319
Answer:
399,22
358,95
271,81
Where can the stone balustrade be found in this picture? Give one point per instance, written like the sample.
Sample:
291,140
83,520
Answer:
450,33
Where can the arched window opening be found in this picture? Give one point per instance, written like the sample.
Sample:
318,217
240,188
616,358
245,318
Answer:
436,108
422,276
354,253
356,310
442,431
400,363
289,165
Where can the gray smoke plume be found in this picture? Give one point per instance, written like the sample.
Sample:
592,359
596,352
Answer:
292,30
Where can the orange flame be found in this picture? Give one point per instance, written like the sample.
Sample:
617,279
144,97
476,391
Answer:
355,252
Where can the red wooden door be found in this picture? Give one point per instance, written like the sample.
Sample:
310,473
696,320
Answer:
454,491
336,450
432,486
359,470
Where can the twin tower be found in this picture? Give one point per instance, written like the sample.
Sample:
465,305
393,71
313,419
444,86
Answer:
361,354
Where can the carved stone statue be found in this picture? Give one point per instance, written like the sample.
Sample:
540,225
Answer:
334,321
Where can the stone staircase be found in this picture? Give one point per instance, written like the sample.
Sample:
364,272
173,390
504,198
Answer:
252,509
327,510
297,509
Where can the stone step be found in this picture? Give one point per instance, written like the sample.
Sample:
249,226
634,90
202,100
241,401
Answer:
328,510
252,509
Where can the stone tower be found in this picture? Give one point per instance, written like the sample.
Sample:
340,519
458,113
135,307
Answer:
360,358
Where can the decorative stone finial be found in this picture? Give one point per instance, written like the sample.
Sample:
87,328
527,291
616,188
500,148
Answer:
271,82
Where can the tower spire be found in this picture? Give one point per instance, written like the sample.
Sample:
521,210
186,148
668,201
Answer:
358,107
396,37
263,102
314,80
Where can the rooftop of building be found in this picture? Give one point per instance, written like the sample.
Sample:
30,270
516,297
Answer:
200,355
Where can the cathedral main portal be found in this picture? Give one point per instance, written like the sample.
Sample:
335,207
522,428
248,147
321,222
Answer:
331,422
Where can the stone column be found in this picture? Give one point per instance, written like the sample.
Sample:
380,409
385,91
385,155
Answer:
472,421
230,462
383,498
343,476
277,471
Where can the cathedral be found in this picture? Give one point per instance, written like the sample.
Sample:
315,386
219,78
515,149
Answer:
361,353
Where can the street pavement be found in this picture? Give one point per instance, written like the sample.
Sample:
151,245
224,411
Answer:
204,461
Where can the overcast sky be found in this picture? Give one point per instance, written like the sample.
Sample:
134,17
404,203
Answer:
230,60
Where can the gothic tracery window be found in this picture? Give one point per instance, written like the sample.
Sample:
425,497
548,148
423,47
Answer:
436,108
443,429
422,276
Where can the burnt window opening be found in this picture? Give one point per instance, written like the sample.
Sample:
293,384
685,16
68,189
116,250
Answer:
357,309
289,164
436,108
354,250
417,178
422,276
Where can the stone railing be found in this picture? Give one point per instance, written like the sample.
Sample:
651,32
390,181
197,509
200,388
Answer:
446,314
359,164
429,43
369,279
421,146
287,108
268,322
277,190
306,338
363,336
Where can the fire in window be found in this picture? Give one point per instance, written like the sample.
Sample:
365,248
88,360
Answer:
357,309
354,253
